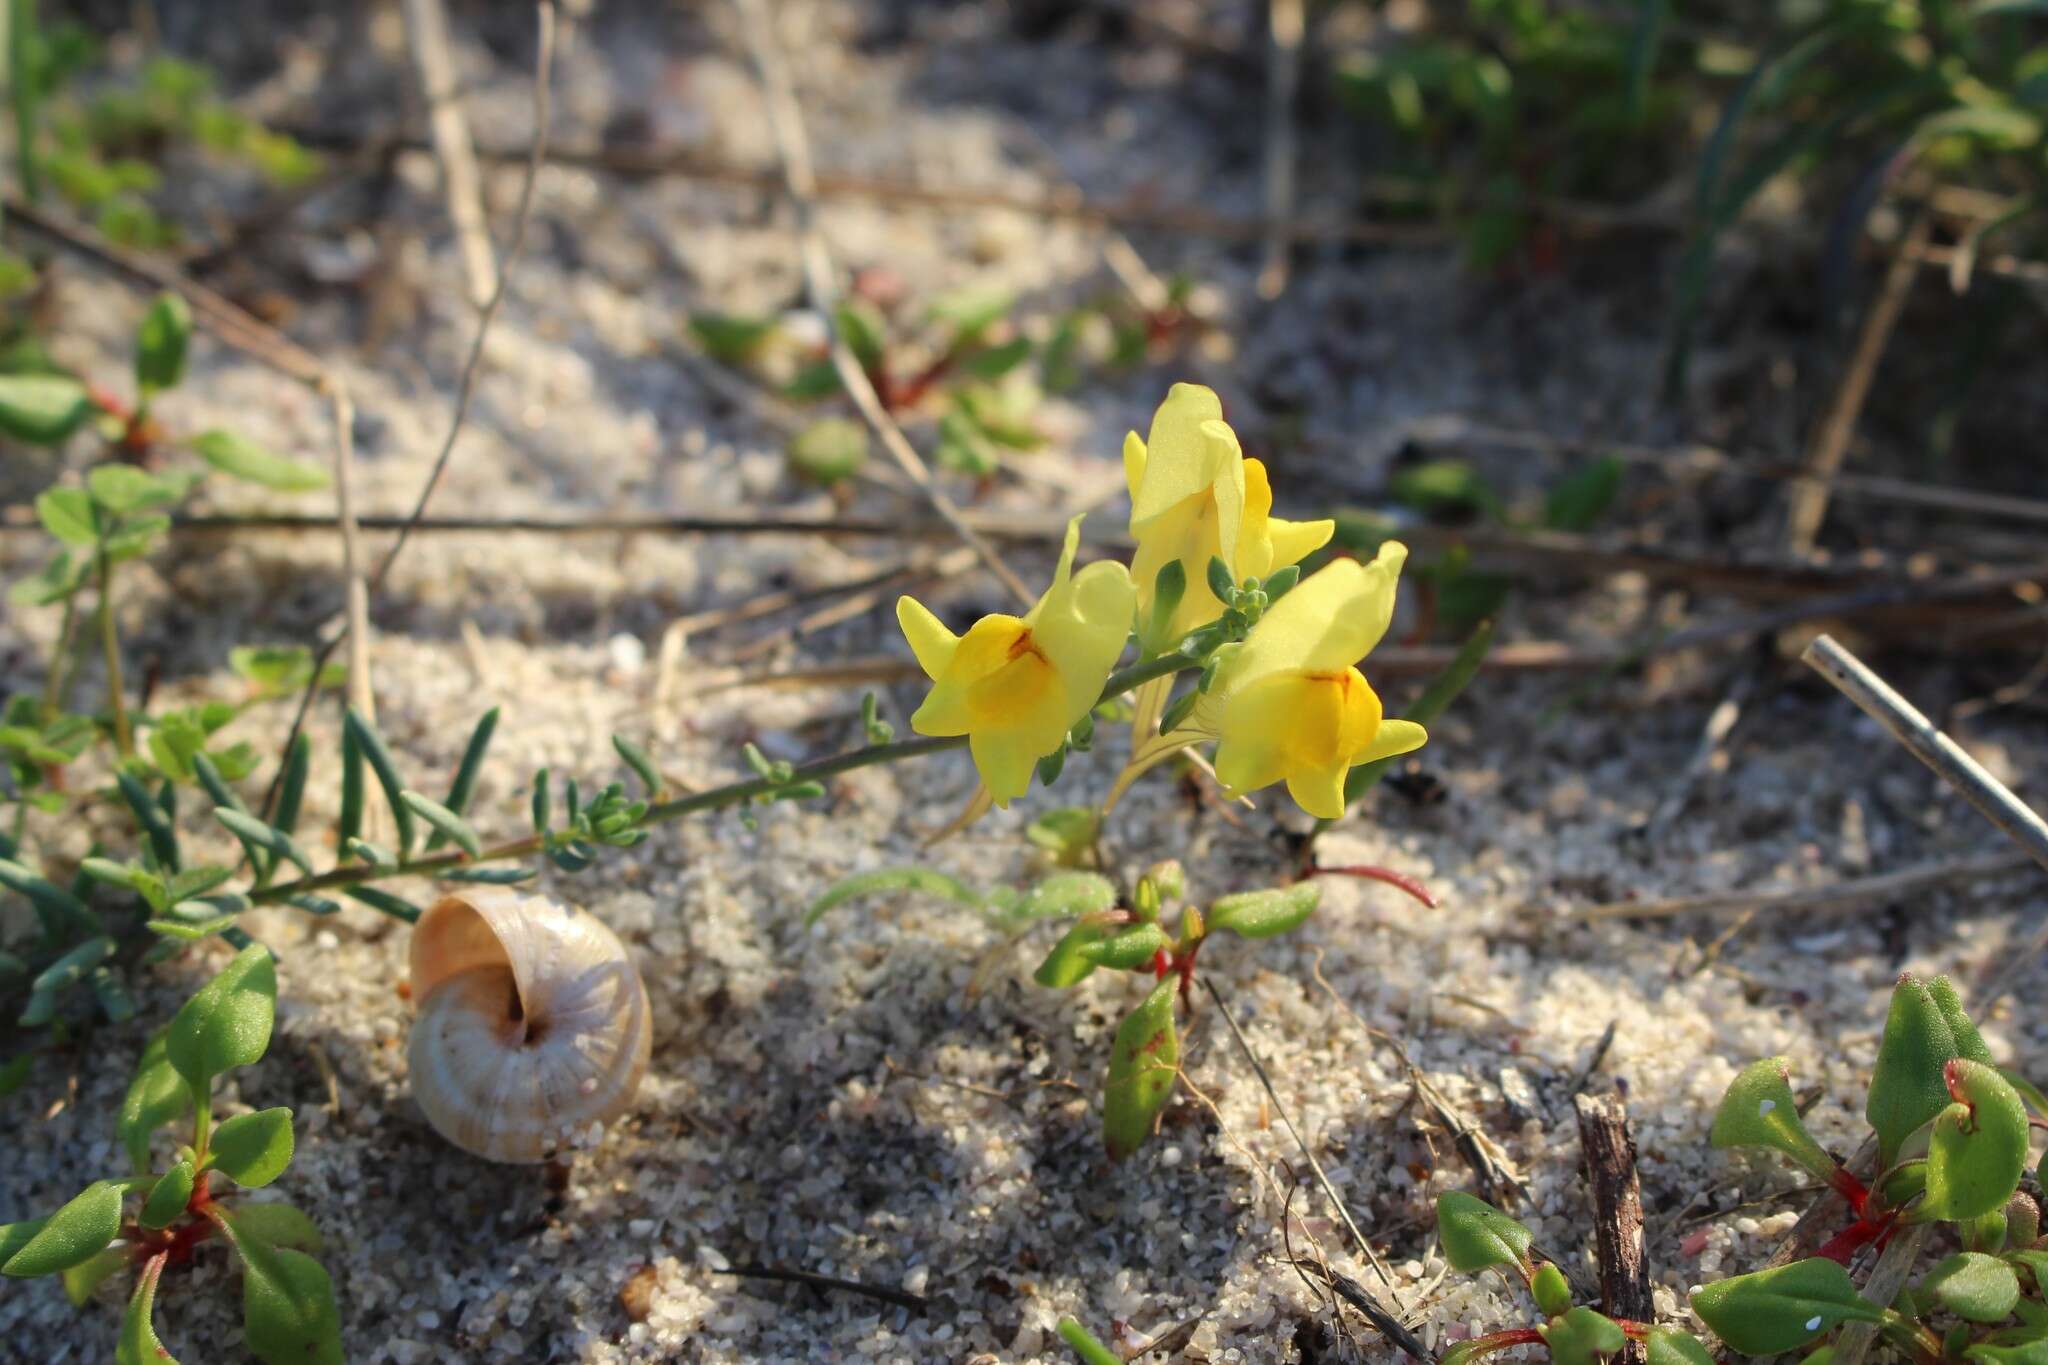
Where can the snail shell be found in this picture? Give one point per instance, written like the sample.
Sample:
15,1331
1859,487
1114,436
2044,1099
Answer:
533,1023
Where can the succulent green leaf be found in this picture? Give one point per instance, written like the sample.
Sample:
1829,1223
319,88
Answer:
1476,1235
15,1236
62,915
255,834
1906,1087
1977,1150
445,822
66,513
125,488
1128,949
1068,963
253,1149
1669,1346
923,879
829,450
58,579
72,1235
1759,1111
138,1344
2033,1352
227,1023
2022,1221
1085,1345
160,345
384,902
239,457
1068,833
82,1279
1582,1336
163,836
1969,1043
1973,1286
1577,501
643,767
1550,1289
168,1197
156,1096
66,972
1262,914
43,410
278,1225
1143,1065
288,1313
1784,1308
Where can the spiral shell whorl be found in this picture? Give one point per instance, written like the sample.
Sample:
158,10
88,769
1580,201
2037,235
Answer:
533,1023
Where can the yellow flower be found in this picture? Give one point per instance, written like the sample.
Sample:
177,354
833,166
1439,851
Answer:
1195,496
1289,704
1015,686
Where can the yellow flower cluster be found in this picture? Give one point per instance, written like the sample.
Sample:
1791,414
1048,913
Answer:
1288,704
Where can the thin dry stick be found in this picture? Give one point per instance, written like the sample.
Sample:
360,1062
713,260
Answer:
1329,1190
1286,21
785,119
1807,503
1894,1267
1610,1156
426,25
361,695
1839,897
1992,798
357,627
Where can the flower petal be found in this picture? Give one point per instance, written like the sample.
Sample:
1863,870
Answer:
1319,791
1180,460
1294,541
1134,463
929,639
1330,621
1395,737
1005,759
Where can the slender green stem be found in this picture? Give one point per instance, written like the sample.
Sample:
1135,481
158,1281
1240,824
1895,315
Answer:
60,660
111,645
716,798
202,1126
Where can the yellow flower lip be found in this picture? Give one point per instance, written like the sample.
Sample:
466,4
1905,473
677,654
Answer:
1016,685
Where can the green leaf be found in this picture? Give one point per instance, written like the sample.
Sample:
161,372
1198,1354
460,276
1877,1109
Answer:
1759,1111
1550,1289
291,787
819,379
1582,1336
1127,949
730,338
996,361
1978,1148
156,1096
1669,1346
643,767
1262,914
1477,1236
138,1344
1443,488
62,915
278,1225
379,759
123,488
72,1235
58,579
227,1023
169,1196
445,821
82,1279
2033,1352
384,902
860,326
15,1236
288,1313
42,409
160,344
255,834
893,879
1142,1067
239,457
60,976
272,670
1784,1308
66,513
1083,1343
972,310
253,1149
1906,1086
163,836
1578,502
1973,1286
1968,1042
1069,963
829,450
1068,833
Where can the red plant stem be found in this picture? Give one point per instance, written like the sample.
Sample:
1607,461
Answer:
1162,963
1859,1234
1851,1189
1399,880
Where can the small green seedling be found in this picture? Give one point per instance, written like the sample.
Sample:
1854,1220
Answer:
1107,934
1952,1140
160,1217
1477,1237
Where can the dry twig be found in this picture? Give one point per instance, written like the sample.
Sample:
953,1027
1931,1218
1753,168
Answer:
426,24
1837,897
1287,20
799,185
1609,1152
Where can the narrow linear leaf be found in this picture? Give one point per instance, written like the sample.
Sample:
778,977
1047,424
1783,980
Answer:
445,822
138,1344
893,879
255,834
163,838
239,457
636,758
384,902
379,758
489,876
349,823
464,786
62,915
291,788
60,976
